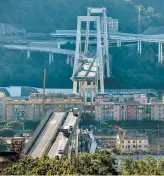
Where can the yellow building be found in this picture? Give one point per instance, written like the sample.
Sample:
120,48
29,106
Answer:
135,143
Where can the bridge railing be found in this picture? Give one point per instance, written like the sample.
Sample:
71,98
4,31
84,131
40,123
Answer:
37,132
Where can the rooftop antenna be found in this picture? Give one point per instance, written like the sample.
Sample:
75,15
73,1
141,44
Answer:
44,86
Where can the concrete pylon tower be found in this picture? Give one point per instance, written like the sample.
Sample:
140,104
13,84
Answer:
102,12
88,71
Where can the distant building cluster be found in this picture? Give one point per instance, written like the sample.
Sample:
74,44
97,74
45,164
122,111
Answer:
31,109
128,107
104,106
132,143
9,30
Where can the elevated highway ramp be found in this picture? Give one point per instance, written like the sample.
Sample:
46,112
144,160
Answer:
63,139
47,136
37,132
41,142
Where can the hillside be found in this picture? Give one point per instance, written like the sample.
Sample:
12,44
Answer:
129,70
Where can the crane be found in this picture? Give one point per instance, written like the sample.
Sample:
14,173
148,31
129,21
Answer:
123,133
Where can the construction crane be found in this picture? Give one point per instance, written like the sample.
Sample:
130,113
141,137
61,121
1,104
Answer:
123,133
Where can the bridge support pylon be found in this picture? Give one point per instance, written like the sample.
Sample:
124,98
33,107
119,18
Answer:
67,62
58,45
139,47
108,68
118,43
71,59
28,54
51,58
160,53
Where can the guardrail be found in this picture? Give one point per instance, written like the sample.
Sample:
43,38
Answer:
71,135
56,133
37,132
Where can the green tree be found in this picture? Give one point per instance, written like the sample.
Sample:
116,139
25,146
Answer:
148,166
15,125
89,164
6,132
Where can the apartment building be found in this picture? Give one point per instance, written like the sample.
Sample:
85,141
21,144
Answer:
157,110
32,109
156,144
128,107
135,143
132,110
141,98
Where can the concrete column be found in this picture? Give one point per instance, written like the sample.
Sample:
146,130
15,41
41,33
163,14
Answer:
107,68
159,52
85,97
67,62
74,87
92,93
50,58
140,48
77,141
79,87
118,43
71,61
58,45
28,54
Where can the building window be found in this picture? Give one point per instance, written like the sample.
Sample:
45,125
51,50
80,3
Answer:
88,83
122,146
128,146
134,146
128,141
139,146
133,141
122,141
145,146
139,141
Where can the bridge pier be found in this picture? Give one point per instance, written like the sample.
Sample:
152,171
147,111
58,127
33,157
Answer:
108,68
118,43
160,53
74,87
51,58
28,54
71,61
58,45
139,47
67,61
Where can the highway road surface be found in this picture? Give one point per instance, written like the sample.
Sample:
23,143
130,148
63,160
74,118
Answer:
47,135
59,144
62,141
93,144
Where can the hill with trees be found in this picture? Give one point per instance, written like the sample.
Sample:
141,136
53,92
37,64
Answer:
129,69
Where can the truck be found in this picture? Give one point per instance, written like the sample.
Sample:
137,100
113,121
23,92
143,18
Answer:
75,112
67,130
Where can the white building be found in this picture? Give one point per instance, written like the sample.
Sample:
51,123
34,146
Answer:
141,98
135,143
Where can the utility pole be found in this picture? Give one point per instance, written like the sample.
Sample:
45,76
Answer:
158,141
43,98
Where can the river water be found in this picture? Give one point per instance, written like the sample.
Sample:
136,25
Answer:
16,91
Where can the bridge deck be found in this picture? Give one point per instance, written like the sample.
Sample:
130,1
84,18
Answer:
47,135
